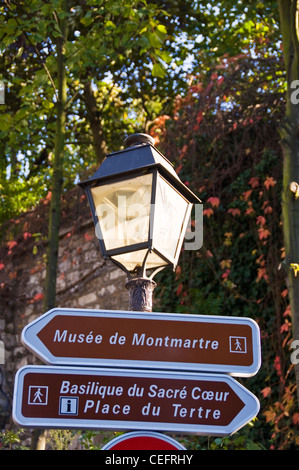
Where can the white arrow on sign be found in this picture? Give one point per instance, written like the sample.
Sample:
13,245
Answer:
126,399
146,340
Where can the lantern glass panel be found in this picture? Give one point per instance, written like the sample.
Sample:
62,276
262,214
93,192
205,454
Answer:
135,259
172,212
123,210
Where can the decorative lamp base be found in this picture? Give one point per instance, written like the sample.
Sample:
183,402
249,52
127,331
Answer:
140,294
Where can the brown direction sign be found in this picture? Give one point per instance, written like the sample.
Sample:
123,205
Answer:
146,340
126,399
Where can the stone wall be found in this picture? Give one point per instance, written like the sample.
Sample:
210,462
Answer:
84,280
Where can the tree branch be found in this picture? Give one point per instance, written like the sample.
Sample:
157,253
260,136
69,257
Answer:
95,122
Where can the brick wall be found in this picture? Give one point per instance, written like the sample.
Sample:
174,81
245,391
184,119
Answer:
84,280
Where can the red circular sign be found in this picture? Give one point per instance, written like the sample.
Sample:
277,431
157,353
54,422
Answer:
143,441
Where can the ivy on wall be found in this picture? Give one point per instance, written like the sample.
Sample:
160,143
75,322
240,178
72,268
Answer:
224,140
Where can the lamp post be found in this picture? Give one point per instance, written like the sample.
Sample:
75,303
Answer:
141,209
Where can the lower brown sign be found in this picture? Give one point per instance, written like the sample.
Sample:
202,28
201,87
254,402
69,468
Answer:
84,398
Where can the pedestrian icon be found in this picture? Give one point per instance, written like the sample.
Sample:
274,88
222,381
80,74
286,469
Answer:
68,405
237,344
38,395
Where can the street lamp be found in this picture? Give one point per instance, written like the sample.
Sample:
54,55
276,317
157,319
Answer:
141,210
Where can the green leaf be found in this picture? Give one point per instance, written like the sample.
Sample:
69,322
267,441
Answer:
5,122
158,70
162,28
155,40
164,55
250,445
86,21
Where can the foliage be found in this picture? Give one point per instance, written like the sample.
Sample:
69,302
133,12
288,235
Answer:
86,439
239,441
94,440
224,141
119,77
11,440
235,26
60,439
222,135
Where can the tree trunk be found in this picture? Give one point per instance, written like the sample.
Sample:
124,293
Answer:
289,20
57,179
57,184
95,123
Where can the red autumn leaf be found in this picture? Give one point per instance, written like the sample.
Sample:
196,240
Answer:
11,244
178,271
208,88
234,211
26,235
209,254
261,260
199,117
226,274
179,289
263,233
261,274
1,266
87,237
260,220
34,270
277,366
47,198
295,418
178,169
285,327
249,211
247,194
183,151
269,181
268,210
254,182
270,415
266,391
38,297
214,201
208,212
287,312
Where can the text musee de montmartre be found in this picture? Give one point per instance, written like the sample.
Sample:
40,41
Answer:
138,339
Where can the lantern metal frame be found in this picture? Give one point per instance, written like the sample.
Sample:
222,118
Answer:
140,157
